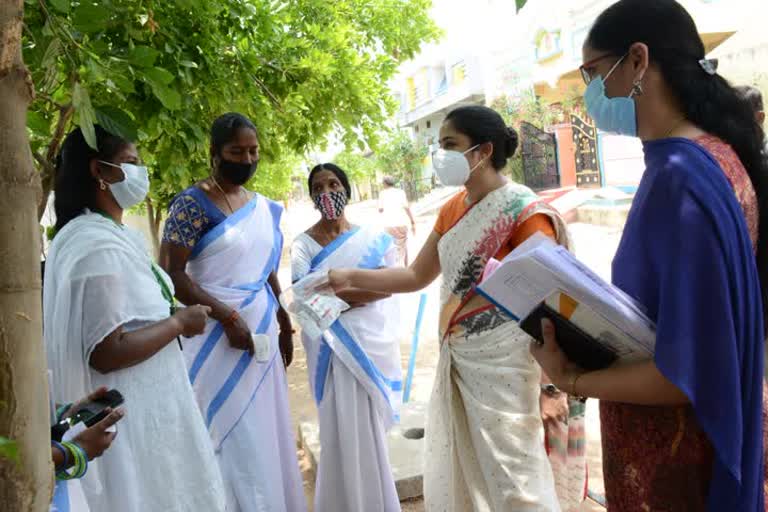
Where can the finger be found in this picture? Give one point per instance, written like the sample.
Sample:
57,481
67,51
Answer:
548,334
251,345
112,418
207,310
96,393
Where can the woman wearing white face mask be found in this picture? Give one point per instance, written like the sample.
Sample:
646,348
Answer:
109,321
484,436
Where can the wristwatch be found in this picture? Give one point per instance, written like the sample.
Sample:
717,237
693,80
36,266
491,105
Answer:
550,390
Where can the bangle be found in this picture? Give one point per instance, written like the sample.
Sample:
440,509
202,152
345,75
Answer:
574,378
80,467
231,318
64,452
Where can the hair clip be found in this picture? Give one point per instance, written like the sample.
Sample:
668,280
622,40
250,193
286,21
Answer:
709,66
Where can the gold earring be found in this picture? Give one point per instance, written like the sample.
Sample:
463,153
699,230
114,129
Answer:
102,185
637,88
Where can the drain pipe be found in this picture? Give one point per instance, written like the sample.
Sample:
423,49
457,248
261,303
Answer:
414,347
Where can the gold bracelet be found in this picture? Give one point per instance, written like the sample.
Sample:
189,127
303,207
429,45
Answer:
576,376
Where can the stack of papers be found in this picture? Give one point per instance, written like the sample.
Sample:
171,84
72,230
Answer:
540,271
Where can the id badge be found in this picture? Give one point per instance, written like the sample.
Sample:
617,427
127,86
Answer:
261,345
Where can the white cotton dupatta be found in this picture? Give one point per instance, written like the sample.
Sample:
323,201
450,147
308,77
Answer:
99,277
364,339
232,262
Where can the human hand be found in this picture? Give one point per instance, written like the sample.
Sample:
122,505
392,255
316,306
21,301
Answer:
97,439
239,335
552,359
75,407
192,319
554,409
339,279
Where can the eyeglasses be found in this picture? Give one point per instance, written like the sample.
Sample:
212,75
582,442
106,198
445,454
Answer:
586,68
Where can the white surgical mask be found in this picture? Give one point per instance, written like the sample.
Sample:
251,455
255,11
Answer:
133,189
452,167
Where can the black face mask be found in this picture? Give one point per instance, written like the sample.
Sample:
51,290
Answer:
237,173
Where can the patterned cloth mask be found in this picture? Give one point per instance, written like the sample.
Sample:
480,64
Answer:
331,204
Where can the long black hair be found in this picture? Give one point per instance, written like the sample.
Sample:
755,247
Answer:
483,124
708,101
335,169
75,187
225,128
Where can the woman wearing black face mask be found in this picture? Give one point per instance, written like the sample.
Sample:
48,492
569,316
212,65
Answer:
221,246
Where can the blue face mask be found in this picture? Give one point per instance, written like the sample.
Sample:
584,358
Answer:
614,115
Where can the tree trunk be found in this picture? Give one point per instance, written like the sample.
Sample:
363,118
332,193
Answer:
48,162
154,218
26,485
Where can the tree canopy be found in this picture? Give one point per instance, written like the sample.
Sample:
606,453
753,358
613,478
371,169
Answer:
159,72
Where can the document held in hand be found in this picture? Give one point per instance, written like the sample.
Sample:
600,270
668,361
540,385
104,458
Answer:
596,322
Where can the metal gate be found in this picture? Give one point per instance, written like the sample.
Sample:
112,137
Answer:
588,172
539,158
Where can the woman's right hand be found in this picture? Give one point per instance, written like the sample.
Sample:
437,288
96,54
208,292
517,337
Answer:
96,439
239,335
339,279
192,320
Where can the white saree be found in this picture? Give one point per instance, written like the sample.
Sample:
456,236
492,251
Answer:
355,376
485,438
99,277
244,402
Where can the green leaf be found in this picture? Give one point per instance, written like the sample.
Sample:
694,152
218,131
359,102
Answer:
86,117
143,56
188,64
117,122
38,124
60,5
167,96
159,75
9,449
90,18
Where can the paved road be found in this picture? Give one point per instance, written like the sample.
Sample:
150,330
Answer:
594,245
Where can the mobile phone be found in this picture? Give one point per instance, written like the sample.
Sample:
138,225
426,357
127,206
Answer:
93,412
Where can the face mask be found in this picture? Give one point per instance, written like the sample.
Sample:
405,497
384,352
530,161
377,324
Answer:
331,204
133,189
614,115
452,167
237,173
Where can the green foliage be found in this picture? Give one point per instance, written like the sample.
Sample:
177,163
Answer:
9,449
403,159
159,72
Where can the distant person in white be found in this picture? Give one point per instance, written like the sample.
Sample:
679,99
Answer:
754,97
396,216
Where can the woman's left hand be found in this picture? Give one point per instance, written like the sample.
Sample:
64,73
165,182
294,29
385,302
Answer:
552,359
286,343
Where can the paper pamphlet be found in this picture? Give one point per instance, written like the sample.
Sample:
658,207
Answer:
539,270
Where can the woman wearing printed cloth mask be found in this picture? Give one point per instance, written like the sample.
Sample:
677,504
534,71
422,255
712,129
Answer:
109,321
221,246
683,431
485,444
354,367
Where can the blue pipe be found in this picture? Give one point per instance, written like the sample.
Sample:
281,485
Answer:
414,347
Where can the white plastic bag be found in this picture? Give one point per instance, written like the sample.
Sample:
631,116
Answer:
314,304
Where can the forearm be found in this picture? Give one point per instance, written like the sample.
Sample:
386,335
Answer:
125,349
638,383
190,293
387,280
410,215
354,296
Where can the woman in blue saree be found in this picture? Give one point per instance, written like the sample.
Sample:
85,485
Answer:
221,247
683,432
